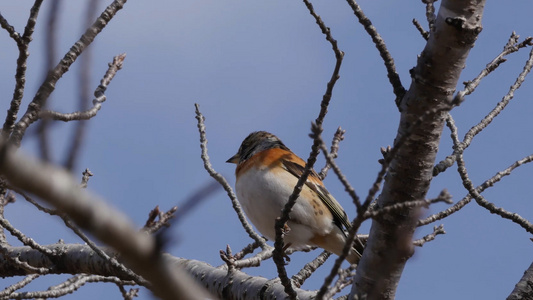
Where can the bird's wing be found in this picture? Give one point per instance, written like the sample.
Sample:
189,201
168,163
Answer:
314,183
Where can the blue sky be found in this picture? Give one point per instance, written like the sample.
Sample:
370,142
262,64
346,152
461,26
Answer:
264,65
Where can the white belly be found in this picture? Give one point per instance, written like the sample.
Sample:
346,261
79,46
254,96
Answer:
263,195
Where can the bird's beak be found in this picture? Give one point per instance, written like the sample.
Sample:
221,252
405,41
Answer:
234,159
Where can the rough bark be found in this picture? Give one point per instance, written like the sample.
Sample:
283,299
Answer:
410,172
524,288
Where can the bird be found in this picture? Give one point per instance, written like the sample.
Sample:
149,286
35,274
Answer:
267,172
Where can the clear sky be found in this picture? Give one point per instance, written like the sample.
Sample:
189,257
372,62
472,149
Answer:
264,65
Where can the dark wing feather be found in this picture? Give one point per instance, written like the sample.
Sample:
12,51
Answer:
339,215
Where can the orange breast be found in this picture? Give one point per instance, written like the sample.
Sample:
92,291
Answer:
267,159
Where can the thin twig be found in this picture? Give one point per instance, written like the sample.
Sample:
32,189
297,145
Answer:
6,293
24,239
299,278
345,279
84,82
337,138
248,249
128,295
85,178
467,183
425,34
394,78
73,285
23,43
331,162
254,261
475,130
209,168
279,255
50,49
430,14
281,221
399,206
44,91
10,30
512,46
99,95
152,226
485,185
430,237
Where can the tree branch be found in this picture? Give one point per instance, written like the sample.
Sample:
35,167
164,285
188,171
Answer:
523,288
60,189
393,76
410,172
48,86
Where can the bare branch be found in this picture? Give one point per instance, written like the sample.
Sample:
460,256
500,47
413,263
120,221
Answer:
250,248
254,261
278,256
152,226
394,78
50,49
231,287
523,288
128,295
512,46
345,279
501,105
404,205
329,158
457,27
430,14
85,179
68,223
337,138
60,189
84,82
339,55
280,222
10,29
44,91
23,43
99,94
299,278
424,33
209,168
23,238
430,237
8,291
485,185
78,282
467,183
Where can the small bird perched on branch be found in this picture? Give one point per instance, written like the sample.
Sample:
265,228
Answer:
267,172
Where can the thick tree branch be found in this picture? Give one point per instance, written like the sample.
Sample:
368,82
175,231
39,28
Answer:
61,190
217,281
524,288
433,83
